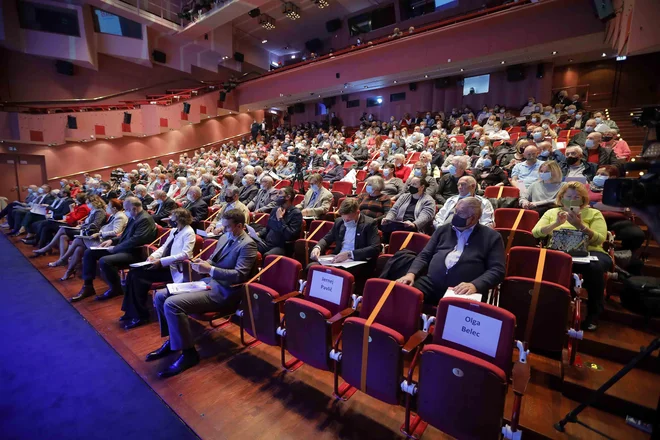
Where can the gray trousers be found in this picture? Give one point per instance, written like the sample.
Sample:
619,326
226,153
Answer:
173,311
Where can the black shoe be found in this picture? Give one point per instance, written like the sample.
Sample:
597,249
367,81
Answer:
135,323
163,351
183,362
110,293
29,241
124,317
85,292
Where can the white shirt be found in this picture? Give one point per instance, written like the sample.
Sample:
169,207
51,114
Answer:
444,215
349,238
452,258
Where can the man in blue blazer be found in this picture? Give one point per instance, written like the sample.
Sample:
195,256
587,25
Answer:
463,255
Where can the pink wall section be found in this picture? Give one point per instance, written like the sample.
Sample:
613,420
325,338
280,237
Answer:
427,97
79,157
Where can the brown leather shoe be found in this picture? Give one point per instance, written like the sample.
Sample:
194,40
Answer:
85,292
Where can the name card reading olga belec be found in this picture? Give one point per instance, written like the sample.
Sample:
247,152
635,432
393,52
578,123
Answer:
326,286
473,330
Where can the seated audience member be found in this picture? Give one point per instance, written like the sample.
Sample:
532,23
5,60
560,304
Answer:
166,267
498,133
264,201
419,171
400,170
413,210
315,161
576,120
372,202
145,198
91,229
547,153
482,150
58,209
209,188
529,108
229,266
125,250
542,194
590,222
46,229
125,190
284,225
393,185
196,206
17,213
456,149
580,138
317,200
596,153
602,122
334,172
463,255
179,189
426,160
490,174
467,187
526,173
355,237
249,189
618,146
576,165
107,193
448,183
7,211
375,169
164,207
231,203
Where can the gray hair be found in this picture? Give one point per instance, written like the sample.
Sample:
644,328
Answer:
250,177
376,182
267,179
474,205
233,190
195,191
133,201
140,188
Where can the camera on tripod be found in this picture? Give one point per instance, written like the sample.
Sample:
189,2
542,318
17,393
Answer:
116,175
645,190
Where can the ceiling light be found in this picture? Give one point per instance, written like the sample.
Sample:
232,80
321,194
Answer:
379,100
274,64
321,3
462,70
264,41
291,10
554,52
449,60
293,57
503,62
426,76
394,81
621,58
570,60
267,22
319,96
603,55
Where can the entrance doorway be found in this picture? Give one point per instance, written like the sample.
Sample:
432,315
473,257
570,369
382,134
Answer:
17,172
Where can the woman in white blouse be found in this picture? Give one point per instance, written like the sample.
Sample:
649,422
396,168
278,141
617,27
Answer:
165,267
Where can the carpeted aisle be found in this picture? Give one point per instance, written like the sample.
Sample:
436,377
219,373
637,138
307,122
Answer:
58,377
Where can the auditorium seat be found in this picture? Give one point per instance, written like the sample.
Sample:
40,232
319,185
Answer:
303,246
495,192
513,218
413,241
345,188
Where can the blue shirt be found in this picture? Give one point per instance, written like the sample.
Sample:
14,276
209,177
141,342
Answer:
525,173
348,244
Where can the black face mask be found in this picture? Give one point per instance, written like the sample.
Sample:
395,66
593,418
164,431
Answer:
458,222
280,201
607,138
229,199
173,223
572,160
412,190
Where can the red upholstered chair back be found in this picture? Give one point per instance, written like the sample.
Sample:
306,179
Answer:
345,188
506,218
199,245
208,252
492,192
162,233
316,296
459,310
416,243
261,218
316,233
298,199
521,238
359,187
349,164
515,129
282,277
401,310
522,262
361,175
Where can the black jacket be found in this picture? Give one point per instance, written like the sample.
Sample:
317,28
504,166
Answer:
63,208
278,232
198,209
367,241
146,201
208,192
248,193
164,210
447,187
589,169
108,196
139,231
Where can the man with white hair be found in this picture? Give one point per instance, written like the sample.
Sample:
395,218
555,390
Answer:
249,189
334,172
527,172
462,254
596,153
467,187
266,197
125,190
448,183
196,205
142,194
179,189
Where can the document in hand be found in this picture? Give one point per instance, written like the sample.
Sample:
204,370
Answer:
99,248
194,286
474,296
38,209
141,264
205,234
326,260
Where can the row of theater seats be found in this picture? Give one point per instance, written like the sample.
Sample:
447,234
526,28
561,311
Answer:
365,340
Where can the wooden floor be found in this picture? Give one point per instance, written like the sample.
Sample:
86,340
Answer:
238,393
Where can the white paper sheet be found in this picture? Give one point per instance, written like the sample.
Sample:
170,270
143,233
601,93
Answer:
326,286
326,260
474,296
141,264
97,248
195,286
473,330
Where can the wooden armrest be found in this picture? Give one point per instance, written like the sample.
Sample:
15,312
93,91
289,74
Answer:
341,315
415,341
283,298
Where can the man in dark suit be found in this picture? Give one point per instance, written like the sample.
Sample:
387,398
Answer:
59,208
125,250
106,192
463,255
142,194
355,237
229,266
45,198
284,225
164,207
264,201
197,207
249,189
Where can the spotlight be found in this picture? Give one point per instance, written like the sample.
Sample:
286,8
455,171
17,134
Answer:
394,81
291,10
293,57
603,55
254,13
274,64
462,70
503,62
267,22
379,100
321,3
426,76
621,58
264,41
554,52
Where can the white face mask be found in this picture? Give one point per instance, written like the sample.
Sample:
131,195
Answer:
40,190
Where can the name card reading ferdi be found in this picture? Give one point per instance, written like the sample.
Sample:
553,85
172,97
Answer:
326,286
473,330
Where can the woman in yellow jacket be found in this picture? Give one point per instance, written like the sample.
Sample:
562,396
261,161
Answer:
591,222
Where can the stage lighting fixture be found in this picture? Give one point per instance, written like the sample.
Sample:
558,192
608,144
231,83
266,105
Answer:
291,10
321,3
267,22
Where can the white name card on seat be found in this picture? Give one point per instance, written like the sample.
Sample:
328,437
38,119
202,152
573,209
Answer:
473,330
326,286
